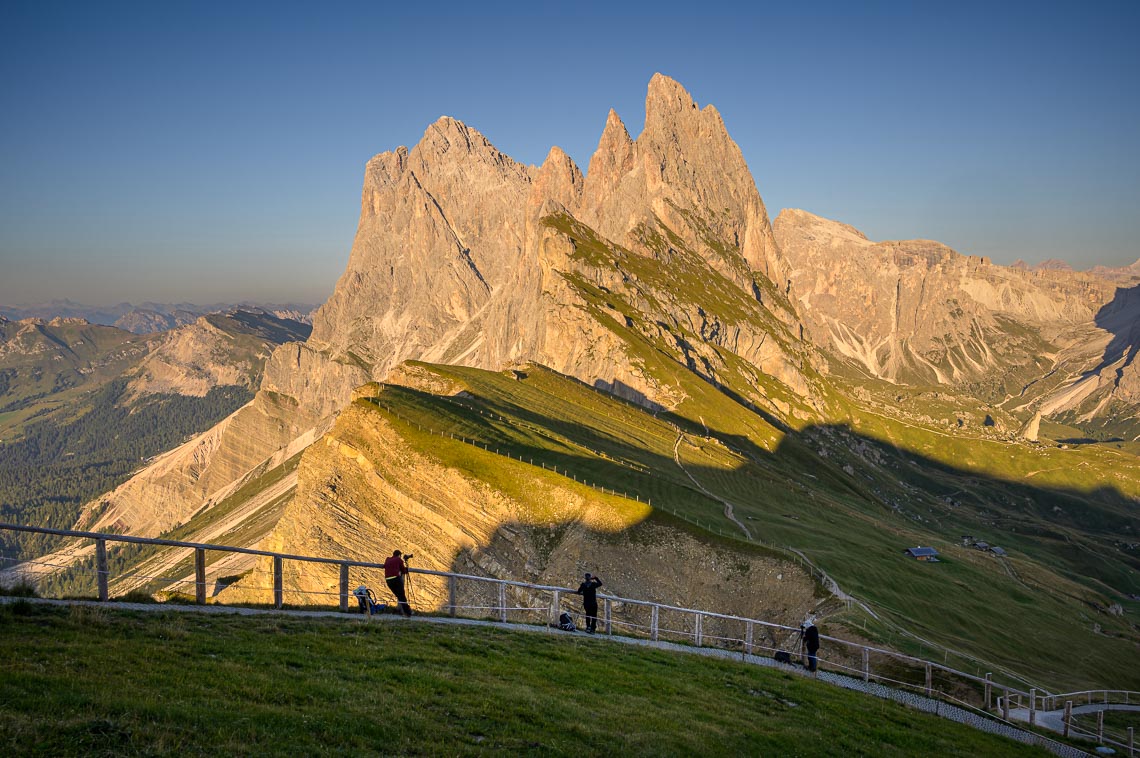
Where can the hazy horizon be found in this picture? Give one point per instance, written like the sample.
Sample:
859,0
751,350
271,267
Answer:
215,154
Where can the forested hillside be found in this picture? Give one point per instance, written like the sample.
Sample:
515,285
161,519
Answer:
47,476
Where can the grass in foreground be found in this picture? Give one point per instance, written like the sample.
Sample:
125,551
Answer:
89,680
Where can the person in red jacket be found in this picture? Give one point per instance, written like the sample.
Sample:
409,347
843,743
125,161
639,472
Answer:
394,571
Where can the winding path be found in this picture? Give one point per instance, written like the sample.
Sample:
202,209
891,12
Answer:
728,510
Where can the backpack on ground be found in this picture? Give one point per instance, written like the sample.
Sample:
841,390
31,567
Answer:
566,623
783,656
367,601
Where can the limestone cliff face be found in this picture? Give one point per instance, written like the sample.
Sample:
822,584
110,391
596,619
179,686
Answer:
452,263
455,260
363,491
918,312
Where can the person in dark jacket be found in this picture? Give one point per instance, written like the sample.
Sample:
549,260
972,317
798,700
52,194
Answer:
394,571
589,592
811,642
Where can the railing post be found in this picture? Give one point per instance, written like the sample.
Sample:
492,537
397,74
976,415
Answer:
609,611
503,603
101,571
1131,743
1033,706
1068,717
344,588
866,665
1100,727
199,576
929,680
698,628
278,592
1005,706
653,623
452,594
989,688
748,637
555,609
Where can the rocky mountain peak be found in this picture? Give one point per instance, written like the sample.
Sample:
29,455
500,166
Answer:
813,224
612,160
558,179
385,169
456,261
447,134
685,171
666,99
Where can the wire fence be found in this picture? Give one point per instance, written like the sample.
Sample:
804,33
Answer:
709,525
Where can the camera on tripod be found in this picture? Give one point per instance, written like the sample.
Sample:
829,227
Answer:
408,557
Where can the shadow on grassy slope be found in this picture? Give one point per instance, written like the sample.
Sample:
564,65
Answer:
853,504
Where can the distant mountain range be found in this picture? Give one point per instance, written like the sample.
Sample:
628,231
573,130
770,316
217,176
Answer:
148,317
82,404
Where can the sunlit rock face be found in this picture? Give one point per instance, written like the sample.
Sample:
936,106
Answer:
463,255
917,312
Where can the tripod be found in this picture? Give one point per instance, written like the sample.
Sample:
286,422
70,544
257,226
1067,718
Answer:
409,591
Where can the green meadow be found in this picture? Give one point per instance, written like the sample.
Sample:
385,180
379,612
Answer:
98,681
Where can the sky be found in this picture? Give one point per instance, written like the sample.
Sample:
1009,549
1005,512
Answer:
200,152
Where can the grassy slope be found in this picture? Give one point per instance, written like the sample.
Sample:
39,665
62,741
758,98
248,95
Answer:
1029,619
73,684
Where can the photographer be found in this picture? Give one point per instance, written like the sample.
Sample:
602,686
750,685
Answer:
809,635
394,570
589,592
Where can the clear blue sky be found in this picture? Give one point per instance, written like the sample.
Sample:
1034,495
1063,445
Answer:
201,152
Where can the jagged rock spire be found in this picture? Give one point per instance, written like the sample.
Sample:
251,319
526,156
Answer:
683,162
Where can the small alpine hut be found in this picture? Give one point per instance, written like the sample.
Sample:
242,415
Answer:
922,553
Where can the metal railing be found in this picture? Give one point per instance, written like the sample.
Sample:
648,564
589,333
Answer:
506,600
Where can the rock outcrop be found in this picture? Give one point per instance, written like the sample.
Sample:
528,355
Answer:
216,350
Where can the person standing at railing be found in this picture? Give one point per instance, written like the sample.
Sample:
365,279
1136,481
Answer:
589,592
810,636
394,571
